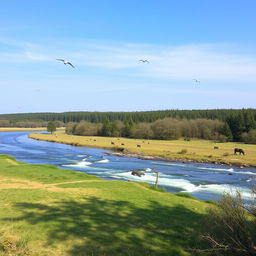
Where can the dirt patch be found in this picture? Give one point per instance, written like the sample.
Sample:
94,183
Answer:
25,184
10,161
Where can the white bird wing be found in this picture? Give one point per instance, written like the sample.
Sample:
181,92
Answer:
61,60
69,63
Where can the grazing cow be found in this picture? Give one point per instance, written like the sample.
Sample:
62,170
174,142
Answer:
138,146
113,143
94,140
122,144
138,173
239,150
215,147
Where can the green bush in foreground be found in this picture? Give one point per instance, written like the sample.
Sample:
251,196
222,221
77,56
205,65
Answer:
230,228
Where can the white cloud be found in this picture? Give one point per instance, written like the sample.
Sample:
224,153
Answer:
207,62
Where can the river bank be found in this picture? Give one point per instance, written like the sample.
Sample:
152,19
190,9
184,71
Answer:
201,151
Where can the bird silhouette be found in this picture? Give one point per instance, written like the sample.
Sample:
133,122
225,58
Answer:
66,62
144,61
197,81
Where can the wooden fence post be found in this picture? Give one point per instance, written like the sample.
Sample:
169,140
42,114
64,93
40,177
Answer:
157,176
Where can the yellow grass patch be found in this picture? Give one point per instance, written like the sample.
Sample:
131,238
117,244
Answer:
10,161
12,183
195,150
17,129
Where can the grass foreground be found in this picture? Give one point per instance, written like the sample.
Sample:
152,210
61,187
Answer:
50,211
193,150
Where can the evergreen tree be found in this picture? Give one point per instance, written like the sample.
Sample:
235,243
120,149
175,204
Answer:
227,132
127,131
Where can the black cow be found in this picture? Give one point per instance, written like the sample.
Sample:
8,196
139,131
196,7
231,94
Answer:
239,150
138,173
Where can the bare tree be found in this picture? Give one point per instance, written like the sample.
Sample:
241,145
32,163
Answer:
230,227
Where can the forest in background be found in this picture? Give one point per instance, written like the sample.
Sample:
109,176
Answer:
216,124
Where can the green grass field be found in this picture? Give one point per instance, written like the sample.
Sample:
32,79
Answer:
48,211
195,150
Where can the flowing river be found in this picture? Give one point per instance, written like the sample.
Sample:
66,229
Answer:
203,181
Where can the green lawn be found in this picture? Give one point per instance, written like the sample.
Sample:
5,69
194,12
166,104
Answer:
48,211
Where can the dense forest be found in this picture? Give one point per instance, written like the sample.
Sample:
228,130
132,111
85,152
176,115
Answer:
229,124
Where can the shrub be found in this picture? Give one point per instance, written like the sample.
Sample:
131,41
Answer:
226,154
183,151
230,227
222,138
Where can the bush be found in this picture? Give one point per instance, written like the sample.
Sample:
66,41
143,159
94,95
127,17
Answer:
183,151
249,137
222,138
230,228
226,154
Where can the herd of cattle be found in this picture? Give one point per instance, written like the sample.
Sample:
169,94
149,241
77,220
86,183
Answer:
236,150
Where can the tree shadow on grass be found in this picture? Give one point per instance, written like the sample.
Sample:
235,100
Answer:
108,227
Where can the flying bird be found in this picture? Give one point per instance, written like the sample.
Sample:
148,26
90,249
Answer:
197,81
66,62
144,61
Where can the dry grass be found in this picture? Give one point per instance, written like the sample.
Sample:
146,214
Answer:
18,129
196,150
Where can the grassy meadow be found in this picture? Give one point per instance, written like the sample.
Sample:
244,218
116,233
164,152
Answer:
194,150
19,129
49,211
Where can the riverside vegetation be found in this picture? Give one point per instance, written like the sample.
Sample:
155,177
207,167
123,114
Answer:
217,124
49,211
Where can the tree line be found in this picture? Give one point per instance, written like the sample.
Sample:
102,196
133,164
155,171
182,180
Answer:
162,129
237,124
28,124
136,116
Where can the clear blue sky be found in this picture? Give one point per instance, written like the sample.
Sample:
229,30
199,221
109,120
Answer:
213,41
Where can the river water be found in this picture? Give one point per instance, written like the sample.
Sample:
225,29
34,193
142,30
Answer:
203,181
